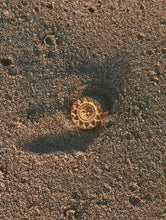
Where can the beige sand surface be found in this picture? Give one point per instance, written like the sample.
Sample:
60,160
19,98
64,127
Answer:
53,52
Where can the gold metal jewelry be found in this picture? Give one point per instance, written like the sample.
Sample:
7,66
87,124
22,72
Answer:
86,113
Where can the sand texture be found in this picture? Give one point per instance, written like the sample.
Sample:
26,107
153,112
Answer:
53,53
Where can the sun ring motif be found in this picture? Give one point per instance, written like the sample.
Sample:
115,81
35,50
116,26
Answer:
86,113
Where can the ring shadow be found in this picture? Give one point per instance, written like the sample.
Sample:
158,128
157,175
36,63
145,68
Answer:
68,141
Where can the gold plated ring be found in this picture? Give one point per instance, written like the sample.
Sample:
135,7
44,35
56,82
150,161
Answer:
86,113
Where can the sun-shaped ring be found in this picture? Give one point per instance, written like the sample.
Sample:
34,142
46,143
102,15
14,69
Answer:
86,113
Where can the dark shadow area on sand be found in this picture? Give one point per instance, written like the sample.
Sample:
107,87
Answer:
67,142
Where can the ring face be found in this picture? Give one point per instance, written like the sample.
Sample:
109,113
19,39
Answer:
86,113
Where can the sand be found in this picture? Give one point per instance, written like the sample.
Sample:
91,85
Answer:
51,54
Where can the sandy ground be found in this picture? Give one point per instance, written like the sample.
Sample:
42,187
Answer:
53,52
